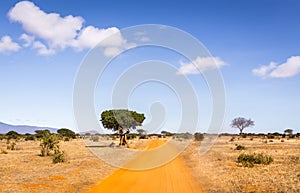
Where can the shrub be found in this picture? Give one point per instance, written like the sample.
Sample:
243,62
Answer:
49,143
3,152
232,139
58,156
248,160
240,147
66,139
199,136
29,138
11,146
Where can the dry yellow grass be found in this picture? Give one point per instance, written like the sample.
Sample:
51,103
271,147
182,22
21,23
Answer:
217,170
24,170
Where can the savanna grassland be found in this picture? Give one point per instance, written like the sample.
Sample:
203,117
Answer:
24,170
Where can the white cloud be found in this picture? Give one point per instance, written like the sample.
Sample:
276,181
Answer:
264,70
287,69
28,40
7,45
42,49
56,32
106,37
200,65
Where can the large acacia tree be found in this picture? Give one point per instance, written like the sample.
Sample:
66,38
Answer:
121,120
241,123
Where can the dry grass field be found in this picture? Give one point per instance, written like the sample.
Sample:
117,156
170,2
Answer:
218,171
23,170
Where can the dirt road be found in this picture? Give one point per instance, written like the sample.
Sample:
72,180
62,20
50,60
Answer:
173,177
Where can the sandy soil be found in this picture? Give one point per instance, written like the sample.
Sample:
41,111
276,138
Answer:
173,177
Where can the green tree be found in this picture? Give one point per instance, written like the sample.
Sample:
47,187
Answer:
241,123
12,135
41,133
66,133
121,120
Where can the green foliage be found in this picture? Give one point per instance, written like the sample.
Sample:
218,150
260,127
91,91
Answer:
58,156
248,160
12,135
121,120
41,133
240,147
49,143
66,133
29,137
199,136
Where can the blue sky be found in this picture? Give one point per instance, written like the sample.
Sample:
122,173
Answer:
42,44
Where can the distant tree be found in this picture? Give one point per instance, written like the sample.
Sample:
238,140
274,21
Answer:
41,133
12,135
121,120
166,133
141,131
66,133
288,131
199,136
241,123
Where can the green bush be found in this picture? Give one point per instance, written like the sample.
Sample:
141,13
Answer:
248,160
29,138
240,147
49,143
199,136
58,156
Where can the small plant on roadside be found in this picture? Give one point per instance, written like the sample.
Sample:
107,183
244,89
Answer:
248,160
240,147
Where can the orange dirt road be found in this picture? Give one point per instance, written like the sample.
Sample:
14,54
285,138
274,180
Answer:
173,177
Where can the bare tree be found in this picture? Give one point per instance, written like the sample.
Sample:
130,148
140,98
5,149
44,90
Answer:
241,123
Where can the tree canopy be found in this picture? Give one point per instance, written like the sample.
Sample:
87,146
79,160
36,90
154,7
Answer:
66,133
241,123
121,119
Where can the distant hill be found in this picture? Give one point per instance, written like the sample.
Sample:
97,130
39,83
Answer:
22,129
92,132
